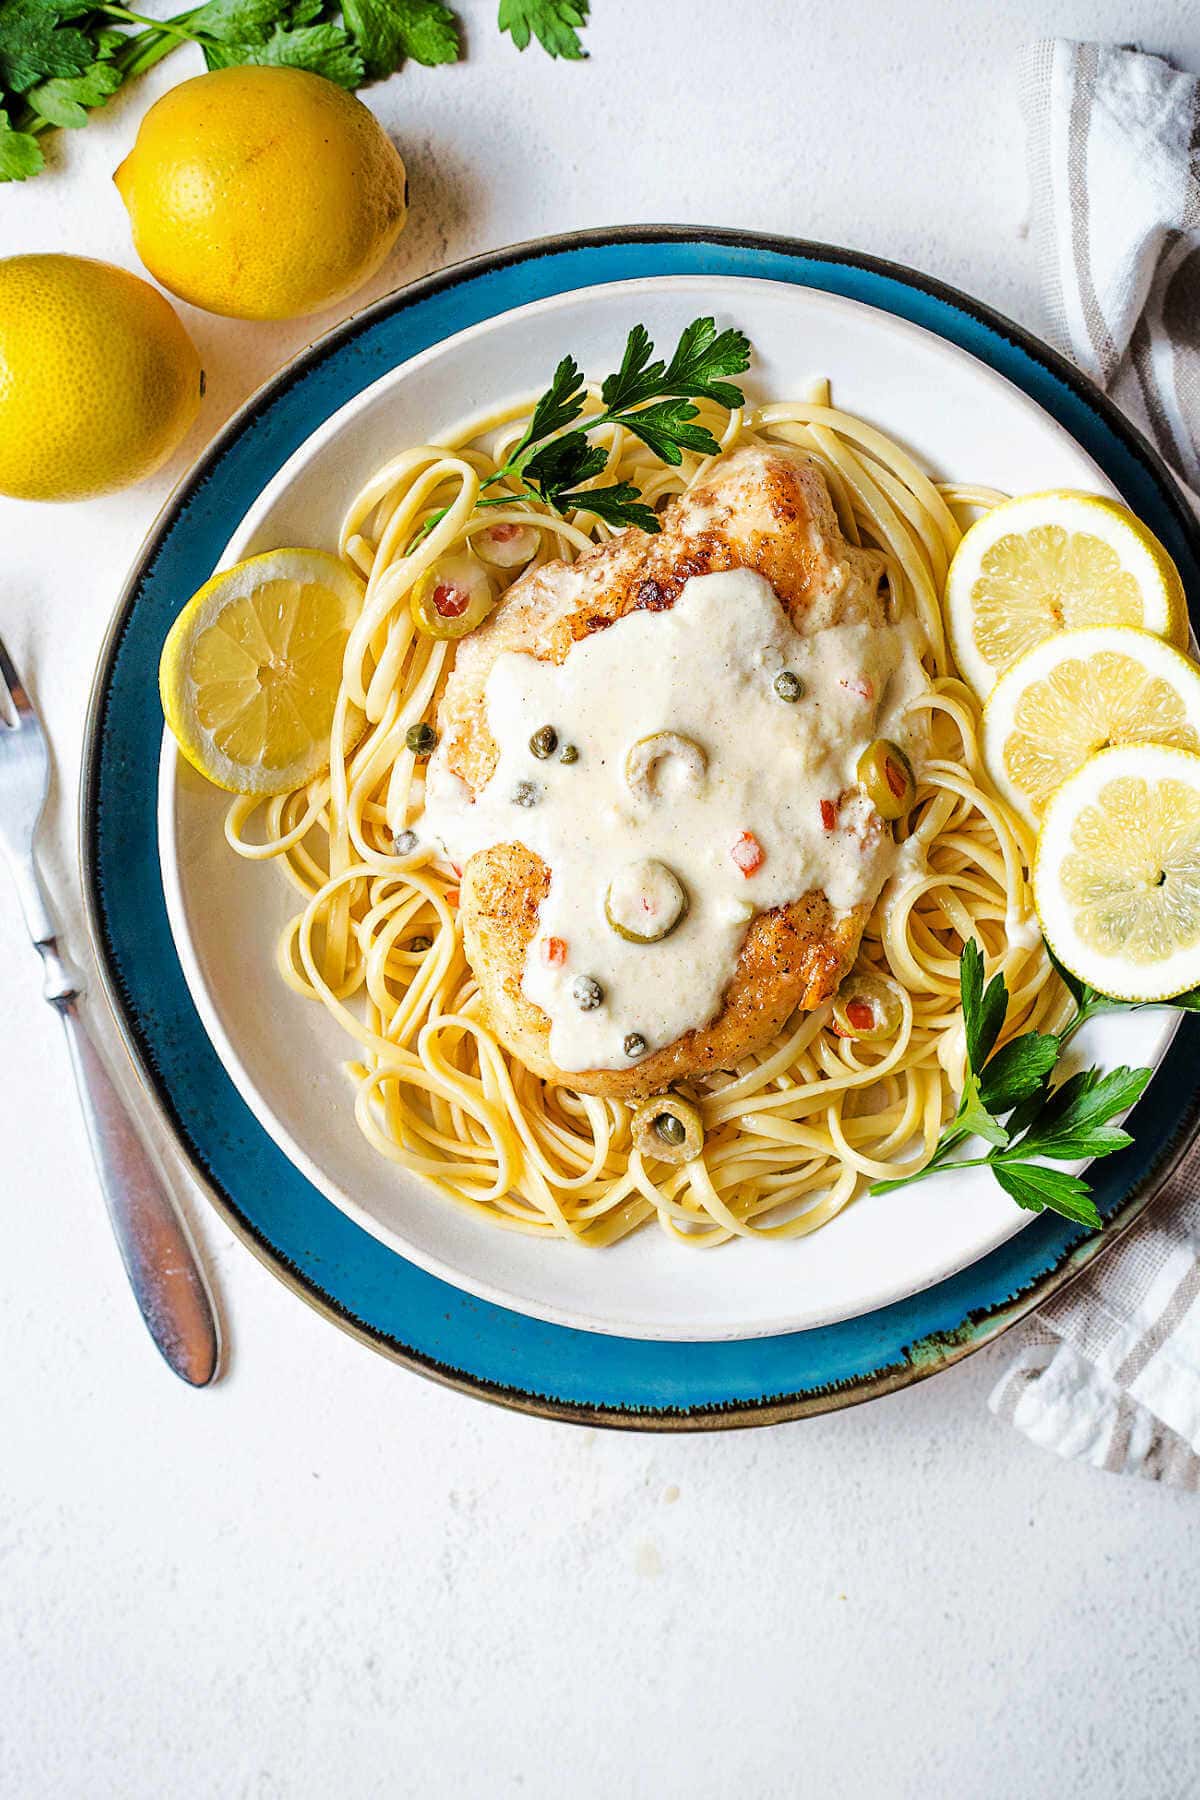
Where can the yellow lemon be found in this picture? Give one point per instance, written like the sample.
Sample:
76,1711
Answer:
1050,562
262,193
251,668
99,381
1117,875
1079,692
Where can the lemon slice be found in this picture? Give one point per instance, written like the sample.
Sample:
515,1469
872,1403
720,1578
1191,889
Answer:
1051,562
251,669
1079,692
1117,875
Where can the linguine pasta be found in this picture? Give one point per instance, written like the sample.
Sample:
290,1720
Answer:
793,1132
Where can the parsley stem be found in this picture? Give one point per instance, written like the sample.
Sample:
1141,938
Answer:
933,1167
176,28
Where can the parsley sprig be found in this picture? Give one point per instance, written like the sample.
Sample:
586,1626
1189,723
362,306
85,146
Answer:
1008,1100
653,400
61,59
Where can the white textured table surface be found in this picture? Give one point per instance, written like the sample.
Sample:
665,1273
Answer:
327,1577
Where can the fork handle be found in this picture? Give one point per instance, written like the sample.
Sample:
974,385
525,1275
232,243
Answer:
153,1239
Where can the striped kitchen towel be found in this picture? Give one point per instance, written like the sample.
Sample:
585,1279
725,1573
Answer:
1109,1370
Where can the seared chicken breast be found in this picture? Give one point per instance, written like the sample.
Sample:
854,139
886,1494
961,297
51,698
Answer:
764,510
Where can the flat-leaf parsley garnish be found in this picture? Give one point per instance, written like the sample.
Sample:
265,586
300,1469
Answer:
1008,1100
651,400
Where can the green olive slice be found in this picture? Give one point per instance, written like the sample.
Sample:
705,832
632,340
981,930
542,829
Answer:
867,1009
885,776
506,545
643,765
668,1128
452,597
645,901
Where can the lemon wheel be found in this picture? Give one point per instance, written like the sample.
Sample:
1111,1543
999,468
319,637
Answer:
1117,875
1051,562
1079,692
251,669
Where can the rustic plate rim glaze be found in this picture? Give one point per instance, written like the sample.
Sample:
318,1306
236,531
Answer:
1055,1252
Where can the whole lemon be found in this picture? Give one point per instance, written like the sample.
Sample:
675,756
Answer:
98,379
262,193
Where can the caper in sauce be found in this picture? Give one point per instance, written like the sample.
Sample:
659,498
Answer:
867,1009
568,754
525,794
544,742
668,1128
635,1044
788,685
419,943
404,843
421,739
587,993
885,776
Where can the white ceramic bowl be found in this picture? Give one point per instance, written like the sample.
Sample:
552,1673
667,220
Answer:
961,420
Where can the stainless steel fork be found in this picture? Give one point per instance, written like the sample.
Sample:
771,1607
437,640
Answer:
153,1239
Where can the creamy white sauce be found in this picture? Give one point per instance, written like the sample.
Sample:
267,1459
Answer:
1022,929
704,669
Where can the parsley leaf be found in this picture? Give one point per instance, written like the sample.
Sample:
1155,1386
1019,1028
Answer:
637,378
702,357
665,427
1036,1189
242,21
65,100
983,1008
36,43
559,406
973,1118
278,33
20,153
1018,1072
619,505
562,462
388,31
1074,1121
321,49
552,22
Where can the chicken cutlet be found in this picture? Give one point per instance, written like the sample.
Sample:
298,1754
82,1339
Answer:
739,846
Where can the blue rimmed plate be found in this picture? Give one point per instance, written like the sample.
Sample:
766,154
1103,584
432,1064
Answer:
341,1267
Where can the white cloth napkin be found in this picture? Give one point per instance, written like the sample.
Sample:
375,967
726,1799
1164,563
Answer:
1109,1371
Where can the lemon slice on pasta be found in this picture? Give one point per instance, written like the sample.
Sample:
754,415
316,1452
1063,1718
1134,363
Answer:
1079,692
1051,562
251,669
1117,875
